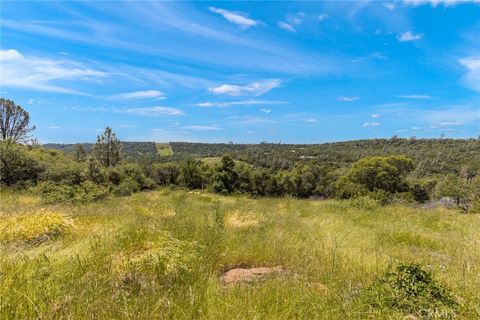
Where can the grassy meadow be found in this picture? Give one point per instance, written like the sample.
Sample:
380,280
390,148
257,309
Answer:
160,254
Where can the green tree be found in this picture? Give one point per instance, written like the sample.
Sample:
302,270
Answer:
94,173
225,179
107,148
17,164
164,174
374,174
14,122
79,153
453,187
191,174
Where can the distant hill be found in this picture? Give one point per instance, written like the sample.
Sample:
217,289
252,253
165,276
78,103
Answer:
131,150
430,155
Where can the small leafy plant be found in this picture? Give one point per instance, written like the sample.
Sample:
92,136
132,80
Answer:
410,289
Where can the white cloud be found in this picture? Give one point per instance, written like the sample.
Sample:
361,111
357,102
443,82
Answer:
10,55
53,127
435,3
202,128
43,74
295,18
389,5
249,120
450,123
348,99
238,19
472,78
137,95
375,115
415,96
409,36
267,111
371,124
322,17
153,111
255,88
312,120
239,103
286,26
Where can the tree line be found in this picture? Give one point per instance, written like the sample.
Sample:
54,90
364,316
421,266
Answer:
103,170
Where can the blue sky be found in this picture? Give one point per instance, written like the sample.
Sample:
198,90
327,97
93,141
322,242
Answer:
293,72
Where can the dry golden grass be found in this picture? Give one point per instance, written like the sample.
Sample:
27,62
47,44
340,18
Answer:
33,226
238,219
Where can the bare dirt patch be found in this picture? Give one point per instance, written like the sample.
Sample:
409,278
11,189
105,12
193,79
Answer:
241,275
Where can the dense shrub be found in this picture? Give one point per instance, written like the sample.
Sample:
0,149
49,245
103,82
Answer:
133,172
475,207
87,191
192,174
373,174
164,174
58,167
411,289
127,187
453,187
17,165
419,193
364,202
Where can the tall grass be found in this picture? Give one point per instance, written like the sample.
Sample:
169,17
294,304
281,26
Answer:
159,255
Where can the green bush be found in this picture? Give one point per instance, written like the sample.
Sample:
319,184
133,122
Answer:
404,197
475,208
373,174
58,166
127,187
52,192
132,171
410,289
345,189
419,193
364,202
17,165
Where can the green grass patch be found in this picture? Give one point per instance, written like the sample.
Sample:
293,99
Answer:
160,254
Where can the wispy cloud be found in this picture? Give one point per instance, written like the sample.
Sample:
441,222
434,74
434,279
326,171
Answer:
139,95
239,103
250,120
236,18
389,5
409,36
312,120
371,124
322,17
472,78
156,111
202,128
286,26
267,111
43,74
415,96
375,115
254,89
435,3
348,99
